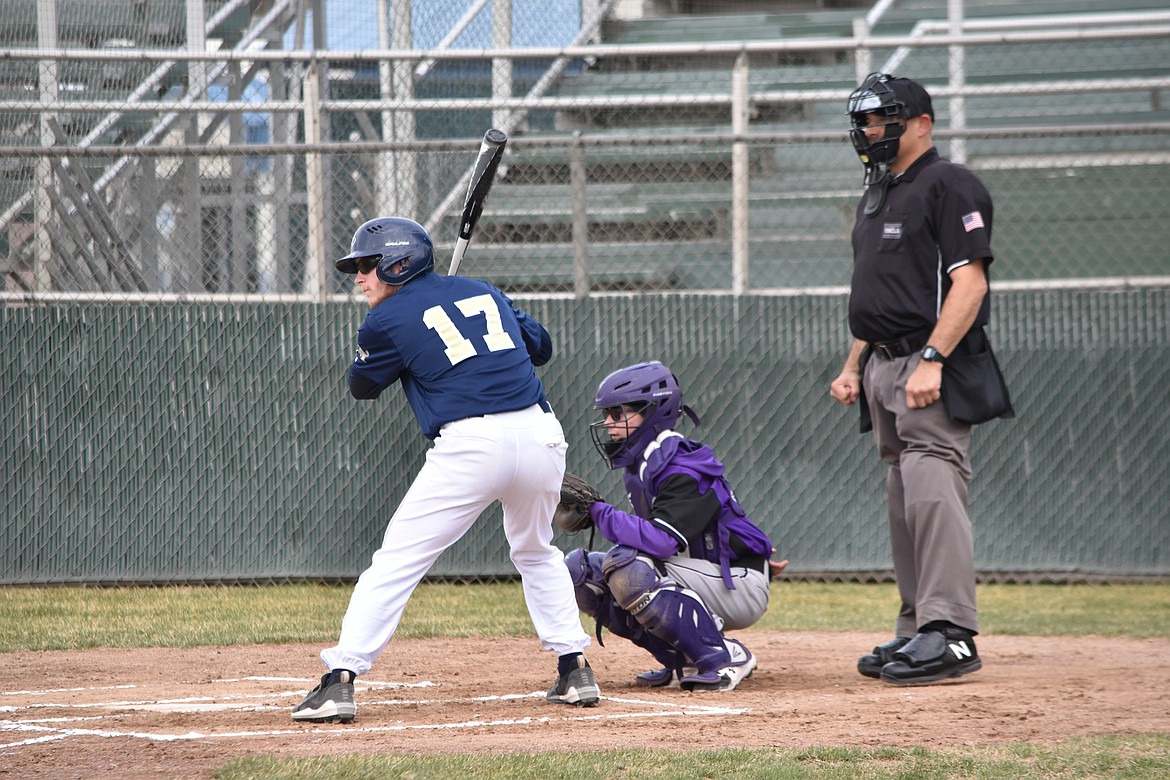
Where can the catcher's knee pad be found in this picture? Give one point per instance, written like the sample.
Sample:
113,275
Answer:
595,599
629,576
588,581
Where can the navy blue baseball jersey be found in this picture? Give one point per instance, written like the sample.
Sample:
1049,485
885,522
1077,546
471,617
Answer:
459,346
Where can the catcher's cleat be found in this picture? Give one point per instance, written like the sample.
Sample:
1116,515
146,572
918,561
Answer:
871,664
933,656
578,687
726,678
330,702
655,678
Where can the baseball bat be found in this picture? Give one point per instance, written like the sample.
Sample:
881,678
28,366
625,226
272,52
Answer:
490,153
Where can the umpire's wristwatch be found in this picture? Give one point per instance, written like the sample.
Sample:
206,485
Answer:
932,355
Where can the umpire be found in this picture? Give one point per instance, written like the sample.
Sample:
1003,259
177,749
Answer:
920,296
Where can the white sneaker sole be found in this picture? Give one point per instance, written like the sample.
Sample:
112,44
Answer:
329,712
737,674
579,697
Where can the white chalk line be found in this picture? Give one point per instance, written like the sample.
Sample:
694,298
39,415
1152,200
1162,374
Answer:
340,731
194,703
47,691
46,732
366,683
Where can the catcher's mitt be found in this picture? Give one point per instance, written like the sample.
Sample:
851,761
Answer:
572,513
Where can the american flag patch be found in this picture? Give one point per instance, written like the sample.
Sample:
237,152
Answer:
972,221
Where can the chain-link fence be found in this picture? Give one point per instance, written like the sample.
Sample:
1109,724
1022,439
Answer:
173,338
148,442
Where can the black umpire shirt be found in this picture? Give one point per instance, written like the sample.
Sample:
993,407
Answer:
937,217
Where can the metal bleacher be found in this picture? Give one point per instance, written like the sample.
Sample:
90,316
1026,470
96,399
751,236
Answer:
138,85
656,209
652,209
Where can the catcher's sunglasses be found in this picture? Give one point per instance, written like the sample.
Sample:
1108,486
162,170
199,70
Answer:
616,412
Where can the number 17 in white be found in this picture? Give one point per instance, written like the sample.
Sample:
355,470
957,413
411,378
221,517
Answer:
459,347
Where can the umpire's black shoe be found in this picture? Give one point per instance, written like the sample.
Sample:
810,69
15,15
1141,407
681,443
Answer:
871,664
331,701
933,656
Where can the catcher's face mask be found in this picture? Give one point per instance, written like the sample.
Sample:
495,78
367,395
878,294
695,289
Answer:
648,388
878,120
621,421
615,428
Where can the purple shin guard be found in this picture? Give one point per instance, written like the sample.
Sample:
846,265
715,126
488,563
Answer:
672,614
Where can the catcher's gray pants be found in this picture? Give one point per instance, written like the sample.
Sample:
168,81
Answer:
926,490
732,609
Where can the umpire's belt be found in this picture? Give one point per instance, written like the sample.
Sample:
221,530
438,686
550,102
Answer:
900,348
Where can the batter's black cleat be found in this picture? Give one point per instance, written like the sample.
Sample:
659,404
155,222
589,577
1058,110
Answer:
330,702
871,664
578,687
933,656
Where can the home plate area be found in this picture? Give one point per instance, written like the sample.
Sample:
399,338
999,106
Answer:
258,708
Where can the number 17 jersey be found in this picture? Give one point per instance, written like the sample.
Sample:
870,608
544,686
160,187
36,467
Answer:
459,347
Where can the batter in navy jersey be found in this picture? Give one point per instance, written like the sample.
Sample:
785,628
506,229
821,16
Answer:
465,357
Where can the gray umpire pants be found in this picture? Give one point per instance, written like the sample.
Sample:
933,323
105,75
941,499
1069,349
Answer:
926,490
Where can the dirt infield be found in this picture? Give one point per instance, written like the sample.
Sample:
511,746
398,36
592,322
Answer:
183,713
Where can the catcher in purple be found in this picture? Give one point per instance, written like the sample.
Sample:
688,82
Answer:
687,562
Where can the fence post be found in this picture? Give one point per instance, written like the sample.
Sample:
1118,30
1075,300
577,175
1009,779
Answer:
314,186
958,79
43,193
861,54
383,184
740,184
577,177
501,67
397,175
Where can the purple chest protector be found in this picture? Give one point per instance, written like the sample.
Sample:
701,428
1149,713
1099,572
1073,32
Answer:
679,455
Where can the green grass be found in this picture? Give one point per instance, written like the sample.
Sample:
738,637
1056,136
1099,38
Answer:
1146,756
66,618
51,618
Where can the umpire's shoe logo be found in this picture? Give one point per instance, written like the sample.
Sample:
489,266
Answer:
961,650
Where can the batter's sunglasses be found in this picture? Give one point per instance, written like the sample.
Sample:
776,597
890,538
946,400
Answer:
367,264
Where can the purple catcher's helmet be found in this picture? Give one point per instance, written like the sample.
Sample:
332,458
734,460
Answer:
648,388
389,240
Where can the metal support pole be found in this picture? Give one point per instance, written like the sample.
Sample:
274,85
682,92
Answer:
501,67
957,69
577,178
314,188
403,198
384,188
188,264
740,184
240,242
43,200
862,55
273,239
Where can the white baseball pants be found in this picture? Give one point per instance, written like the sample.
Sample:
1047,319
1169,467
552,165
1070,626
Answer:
517,458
